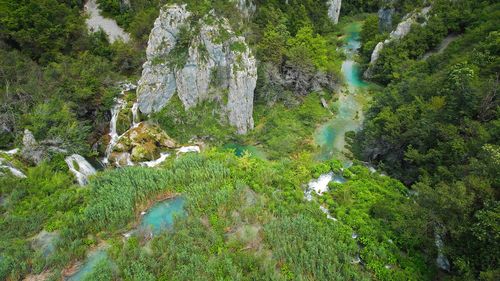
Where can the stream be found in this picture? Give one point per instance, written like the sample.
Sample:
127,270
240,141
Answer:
349,116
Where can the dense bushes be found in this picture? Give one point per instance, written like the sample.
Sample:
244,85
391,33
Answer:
44,200
436,127
390,226
321,256
284,131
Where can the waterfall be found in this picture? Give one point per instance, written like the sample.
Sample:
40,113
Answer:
319,186
441,260
82,170
15,172
135,114
120,104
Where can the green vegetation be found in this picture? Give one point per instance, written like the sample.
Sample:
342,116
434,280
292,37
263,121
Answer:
57,79
432,127
203,120
284,130
435,127
238,209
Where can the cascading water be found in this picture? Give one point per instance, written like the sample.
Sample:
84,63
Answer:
319,186
15,172
154,163
80,167
135,115
125,157
120,104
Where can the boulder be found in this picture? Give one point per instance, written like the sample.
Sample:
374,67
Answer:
31,150
142,143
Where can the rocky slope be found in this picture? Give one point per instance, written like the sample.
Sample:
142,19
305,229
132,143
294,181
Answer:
198,60
403,28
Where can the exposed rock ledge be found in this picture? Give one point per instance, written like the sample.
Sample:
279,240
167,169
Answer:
219,66
403,28
334,10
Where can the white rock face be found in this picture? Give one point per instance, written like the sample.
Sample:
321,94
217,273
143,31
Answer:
219,66
403,28
334,10
157,84
246,7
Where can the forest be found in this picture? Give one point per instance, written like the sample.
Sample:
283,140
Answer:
374,152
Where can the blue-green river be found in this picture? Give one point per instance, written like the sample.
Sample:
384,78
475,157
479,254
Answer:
349,116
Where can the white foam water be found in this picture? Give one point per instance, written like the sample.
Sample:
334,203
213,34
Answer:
82,170
120,104
155,163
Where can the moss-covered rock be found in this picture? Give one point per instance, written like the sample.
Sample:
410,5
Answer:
144,143
145,152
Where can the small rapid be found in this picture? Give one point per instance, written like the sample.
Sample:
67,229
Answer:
80,167
13,170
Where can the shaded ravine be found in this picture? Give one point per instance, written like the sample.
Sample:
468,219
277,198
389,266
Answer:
349,116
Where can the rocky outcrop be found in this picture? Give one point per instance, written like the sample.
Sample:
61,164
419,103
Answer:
403,28
31,150
142,143
198,60
385,19
35,152
246,7
334,10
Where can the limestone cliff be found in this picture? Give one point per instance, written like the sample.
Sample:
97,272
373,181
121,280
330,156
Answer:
334,10
403,28
198,60
246,7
